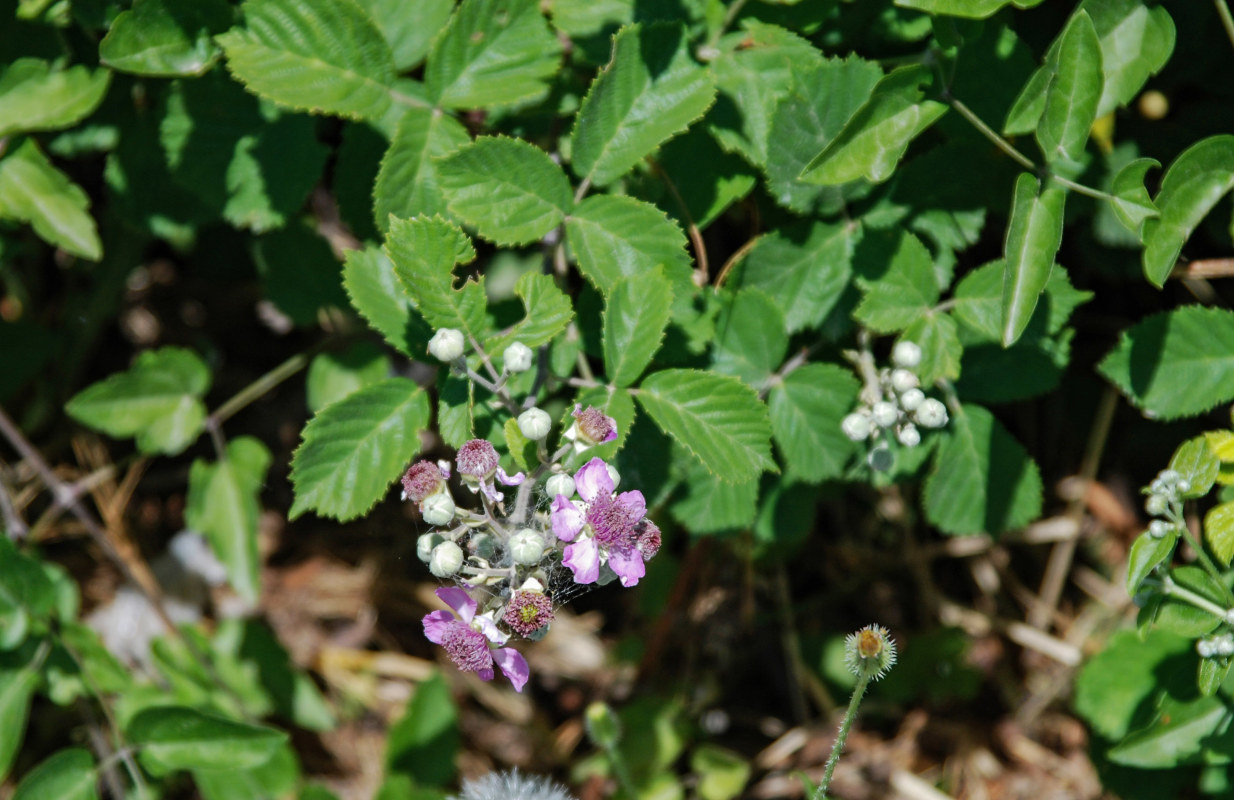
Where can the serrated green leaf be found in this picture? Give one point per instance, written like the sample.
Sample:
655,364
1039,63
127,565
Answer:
750,339
650,91
375,292
509,189
803,267
424,251
1116,681
175,737
978,302
708,180
1177,736
1192,186
806,409
354,449
335,374
1072,95
407,183
823,98
982,479
1196,463
1033,237
66,775
710,504
1175,364
1146,553
300,273
35,97
614,237
905,288
241,156
971,9
522,449
166,38
224,503
157,400
548,308
1131,203
18,679
1219,531
635,317
409,29
717,418
940,347
1033,366
874,139
492,53
455,405
322,56
34,191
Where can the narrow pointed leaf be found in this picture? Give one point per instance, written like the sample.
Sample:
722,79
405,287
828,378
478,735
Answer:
1073,93
174,737
874,140
407,183
36,97
635,317
1033,236
166,38
1132,204
424,251
34,191
806,408
650,91
614,237
719,419
492,53
509,189
66,775
1192,186
316,55
548,312
354,449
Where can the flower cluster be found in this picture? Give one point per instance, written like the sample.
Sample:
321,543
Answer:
893,402
1165,497
504,556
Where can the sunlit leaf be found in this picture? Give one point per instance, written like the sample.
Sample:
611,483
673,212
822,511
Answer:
1192,186
1033,236
166,38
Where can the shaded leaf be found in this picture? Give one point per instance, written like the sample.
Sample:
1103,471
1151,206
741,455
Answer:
1176,737
1115,681
17,684
335,374
1033,235
301,275
424,741
1182,617
941,350
904,290
407,183
1131,204
36,97
166,38
806,409
1192,186
424,251
972,9
635,316
34,191
750,339
709,503
1072,94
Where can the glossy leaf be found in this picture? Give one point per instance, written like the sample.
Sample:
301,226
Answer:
1192,186
509,189
492,53
166,38
548,309
709,504
1132,204
66,775
717,418
354,449
316,55
1147,552
174,737
615,237
224,504
1219,531
649,92
1033,236
873,141
806,408
635,317
407,183
424,251
1136,42
1116,681
903,291
1175,364
750,339
157,400
34,191
375,292
1180,616
804,268
1073,92
36,97
982,479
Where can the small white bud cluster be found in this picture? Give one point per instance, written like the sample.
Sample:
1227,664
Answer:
902,407
1219,646
1165,500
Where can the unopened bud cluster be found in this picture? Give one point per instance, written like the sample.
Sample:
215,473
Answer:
897,405
1219,646
1165,497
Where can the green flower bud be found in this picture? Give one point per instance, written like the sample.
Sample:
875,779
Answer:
517,357
906,354
446,559
856,426
526,547
438,509
535,424
560,483
603,727
425,545
446,345
484,545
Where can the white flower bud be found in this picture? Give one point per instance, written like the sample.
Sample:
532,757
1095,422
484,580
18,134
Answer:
446,345
446,560
526,547
535,424
517,357
1169,476
932,413
438,509
425,545
856,427
906,354
911,399
1224,646
1204,648
613,474
902,380
560,484
1158,487
1158,528
909,436
1156,505
1183,485
885,414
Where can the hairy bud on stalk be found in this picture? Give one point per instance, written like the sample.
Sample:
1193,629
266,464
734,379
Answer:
526,547
446,560
535,424
438,509
446,345
870,652
517,357
560,483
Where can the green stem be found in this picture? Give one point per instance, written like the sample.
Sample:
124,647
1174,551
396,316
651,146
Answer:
1207,563
621,770
836,749
1172,589
1080,188
990,133
729,16
1227,21
262,385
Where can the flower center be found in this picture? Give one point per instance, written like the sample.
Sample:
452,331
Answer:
467,648
528,612
611,522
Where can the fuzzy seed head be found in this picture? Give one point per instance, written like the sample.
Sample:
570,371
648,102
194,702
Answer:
595,426
870,652
422,479
476,459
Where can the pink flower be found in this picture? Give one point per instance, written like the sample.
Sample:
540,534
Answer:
467,639
591,427
477,464
603,524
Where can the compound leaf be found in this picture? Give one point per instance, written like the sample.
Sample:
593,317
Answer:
424,251
407,183
750,337
409,29
375,292
549,311
903,293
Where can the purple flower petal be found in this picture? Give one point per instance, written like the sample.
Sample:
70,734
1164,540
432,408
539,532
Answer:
628,564
611,434
633,504
510,480
435,625
583,559
490,629
486,674
460,601
567,519
491,492
593,480
513,665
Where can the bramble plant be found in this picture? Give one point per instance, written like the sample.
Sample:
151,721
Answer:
754,307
